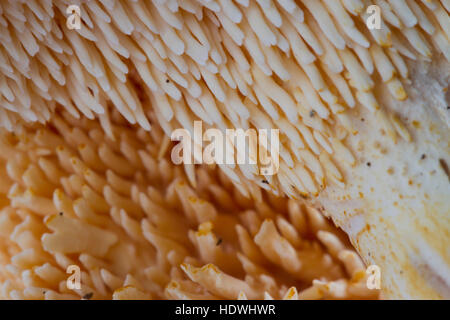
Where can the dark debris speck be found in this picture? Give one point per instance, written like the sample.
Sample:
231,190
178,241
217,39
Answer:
265,181
444,167
61,213
88,296
219,241
369,164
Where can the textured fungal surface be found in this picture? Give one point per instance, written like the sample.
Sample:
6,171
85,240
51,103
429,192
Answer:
301,66
86,117
127,217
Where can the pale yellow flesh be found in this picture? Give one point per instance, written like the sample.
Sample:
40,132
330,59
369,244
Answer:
395,206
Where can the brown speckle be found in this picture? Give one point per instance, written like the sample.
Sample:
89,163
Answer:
312,113
219,241
265,181
444,167
369,164
61,214
423,156
88,296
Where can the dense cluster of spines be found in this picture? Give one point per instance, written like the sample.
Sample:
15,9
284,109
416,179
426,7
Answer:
300,66
123,213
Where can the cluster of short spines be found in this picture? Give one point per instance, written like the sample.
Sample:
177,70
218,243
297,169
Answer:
123,213
295,65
